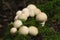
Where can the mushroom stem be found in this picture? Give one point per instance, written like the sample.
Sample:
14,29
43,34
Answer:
43,23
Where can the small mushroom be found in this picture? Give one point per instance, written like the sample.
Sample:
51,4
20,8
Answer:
18,12
31,8
33,30
16,17
23,30
42,17
17,23
26,11
13,30
22,17
37,11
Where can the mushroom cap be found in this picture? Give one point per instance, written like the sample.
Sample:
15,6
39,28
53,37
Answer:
16,17
33,30
23,30
41,17
31,14
17,23
37,11
13,30
22,17
31,8
18,12
26,11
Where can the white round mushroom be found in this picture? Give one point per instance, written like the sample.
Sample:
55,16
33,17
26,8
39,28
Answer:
16,17
41,17
33,30
37,11
31,14
22,17
26,11
31,8
18,12
13,30
17,23
23,30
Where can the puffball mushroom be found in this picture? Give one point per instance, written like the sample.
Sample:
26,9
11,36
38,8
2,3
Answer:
33,30
31,8
18,12
26,11
13,30
23,30
22,17
17,23
37,11
42,17
16,17
31,14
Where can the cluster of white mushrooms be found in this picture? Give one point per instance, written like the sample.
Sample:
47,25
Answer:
30,11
